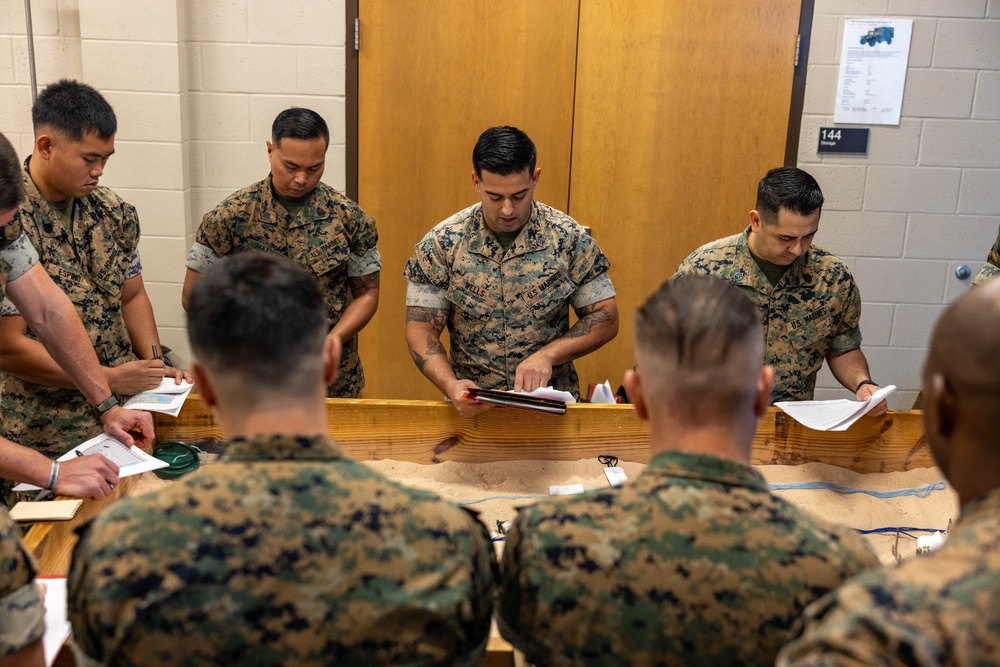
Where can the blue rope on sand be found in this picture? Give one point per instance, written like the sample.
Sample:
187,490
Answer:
920,491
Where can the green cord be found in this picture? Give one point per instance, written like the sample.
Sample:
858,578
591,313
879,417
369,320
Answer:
181,458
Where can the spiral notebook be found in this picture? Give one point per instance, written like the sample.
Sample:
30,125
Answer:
52,510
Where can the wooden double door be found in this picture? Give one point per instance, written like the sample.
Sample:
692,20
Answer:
653,119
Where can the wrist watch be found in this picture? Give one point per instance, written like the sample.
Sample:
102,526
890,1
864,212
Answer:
863,383
105,405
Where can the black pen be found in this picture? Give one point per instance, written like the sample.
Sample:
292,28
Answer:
156,353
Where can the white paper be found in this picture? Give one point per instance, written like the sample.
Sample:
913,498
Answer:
616,476
130,460
57,627
873,59
603,393
566,490
553,394
835,415
168,398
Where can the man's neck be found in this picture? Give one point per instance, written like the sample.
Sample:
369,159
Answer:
724,441
282,419
37,173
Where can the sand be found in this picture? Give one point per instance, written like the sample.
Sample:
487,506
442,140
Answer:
519,483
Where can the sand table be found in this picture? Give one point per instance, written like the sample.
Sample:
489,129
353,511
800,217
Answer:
526,479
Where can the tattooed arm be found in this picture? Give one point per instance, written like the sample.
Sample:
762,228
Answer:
364,290
597,324
423,336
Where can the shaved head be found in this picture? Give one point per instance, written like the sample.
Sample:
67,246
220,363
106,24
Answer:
962,391
699,349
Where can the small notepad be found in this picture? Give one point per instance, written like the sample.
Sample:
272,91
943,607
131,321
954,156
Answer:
52,510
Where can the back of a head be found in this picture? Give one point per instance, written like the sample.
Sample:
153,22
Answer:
11,182
699,349
75,109
965,350
789,188
259,320
299,123
503,150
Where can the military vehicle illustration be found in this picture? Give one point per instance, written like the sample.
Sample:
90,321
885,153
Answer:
878,35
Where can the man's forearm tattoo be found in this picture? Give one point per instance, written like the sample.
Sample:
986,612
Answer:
363,283
436,317
590,318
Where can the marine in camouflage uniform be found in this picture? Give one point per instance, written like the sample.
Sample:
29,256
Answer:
939,609
992,266
284,552
813,311
90,265
505,306
695,562
331,237
21,612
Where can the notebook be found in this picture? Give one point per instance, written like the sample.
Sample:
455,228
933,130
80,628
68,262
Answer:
52,510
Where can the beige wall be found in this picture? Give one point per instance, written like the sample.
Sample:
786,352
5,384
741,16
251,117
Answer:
197,83
926,198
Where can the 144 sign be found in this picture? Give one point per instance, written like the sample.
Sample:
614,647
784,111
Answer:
843,140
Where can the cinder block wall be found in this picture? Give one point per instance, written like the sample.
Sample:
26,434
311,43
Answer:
196,84
926,198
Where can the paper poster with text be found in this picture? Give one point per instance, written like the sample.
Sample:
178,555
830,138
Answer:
873,61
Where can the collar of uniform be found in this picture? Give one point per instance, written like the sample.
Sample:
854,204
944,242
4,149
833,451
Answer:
46,219
282,448
273,213
483,242
705,468
984,508
746,272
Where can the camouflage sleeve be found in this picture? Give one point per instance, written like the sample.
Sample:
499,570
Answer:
129,232
484,585
21,611
596,290
426,296
8,308
200,257
18,257
214,231
848,334
991,268
863,623
688,267
133,265
363,265
587,263
361,231
86,638
428,264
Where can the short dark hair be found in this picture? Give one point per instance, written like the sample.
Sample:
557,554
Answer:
260,317
74,109
11,180
503,150
788,188
299,123
701,340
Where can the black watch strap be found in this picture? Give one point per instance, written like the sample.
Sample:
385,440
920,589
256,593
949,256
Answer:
863,383
105,405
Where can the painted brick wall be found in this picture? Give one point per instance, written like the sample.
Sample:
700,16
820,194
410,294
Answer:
926,198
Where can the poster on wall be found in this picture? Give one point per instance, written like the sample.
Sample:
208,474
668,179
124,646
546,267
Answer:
873,61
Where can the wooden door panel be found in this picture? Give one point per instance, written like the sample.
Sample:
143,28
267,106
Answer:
680,109
432,76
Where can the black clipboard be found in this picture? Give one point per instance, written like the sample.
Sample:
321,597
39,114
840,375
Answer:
507,399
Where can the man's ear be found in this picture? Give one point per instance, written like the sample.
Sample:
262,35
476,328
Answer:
765,384
201,384
755,221
633,387
331,358
43,145
940,407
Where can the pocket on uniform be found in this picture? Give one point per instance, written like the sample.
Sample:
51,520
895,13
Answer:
550,295
809,330
327,257
108,273
471,305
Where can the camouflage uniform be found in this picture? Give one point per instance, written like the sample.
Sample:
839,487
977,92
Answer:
814,310
505,306
331,237
21,612
17,255
939,609
91,266
695,562
283,552
992,266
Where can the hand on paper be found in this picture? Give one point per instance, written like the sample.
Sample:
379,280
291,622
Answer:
459,396
865,393
86,477
533,372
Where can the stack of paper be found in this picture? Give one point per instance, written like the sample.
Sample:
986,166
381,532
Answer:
168,398
833,415
130,460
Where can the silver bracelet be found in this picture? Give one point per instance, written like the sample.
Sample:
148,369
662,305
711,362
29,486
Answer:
54,475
